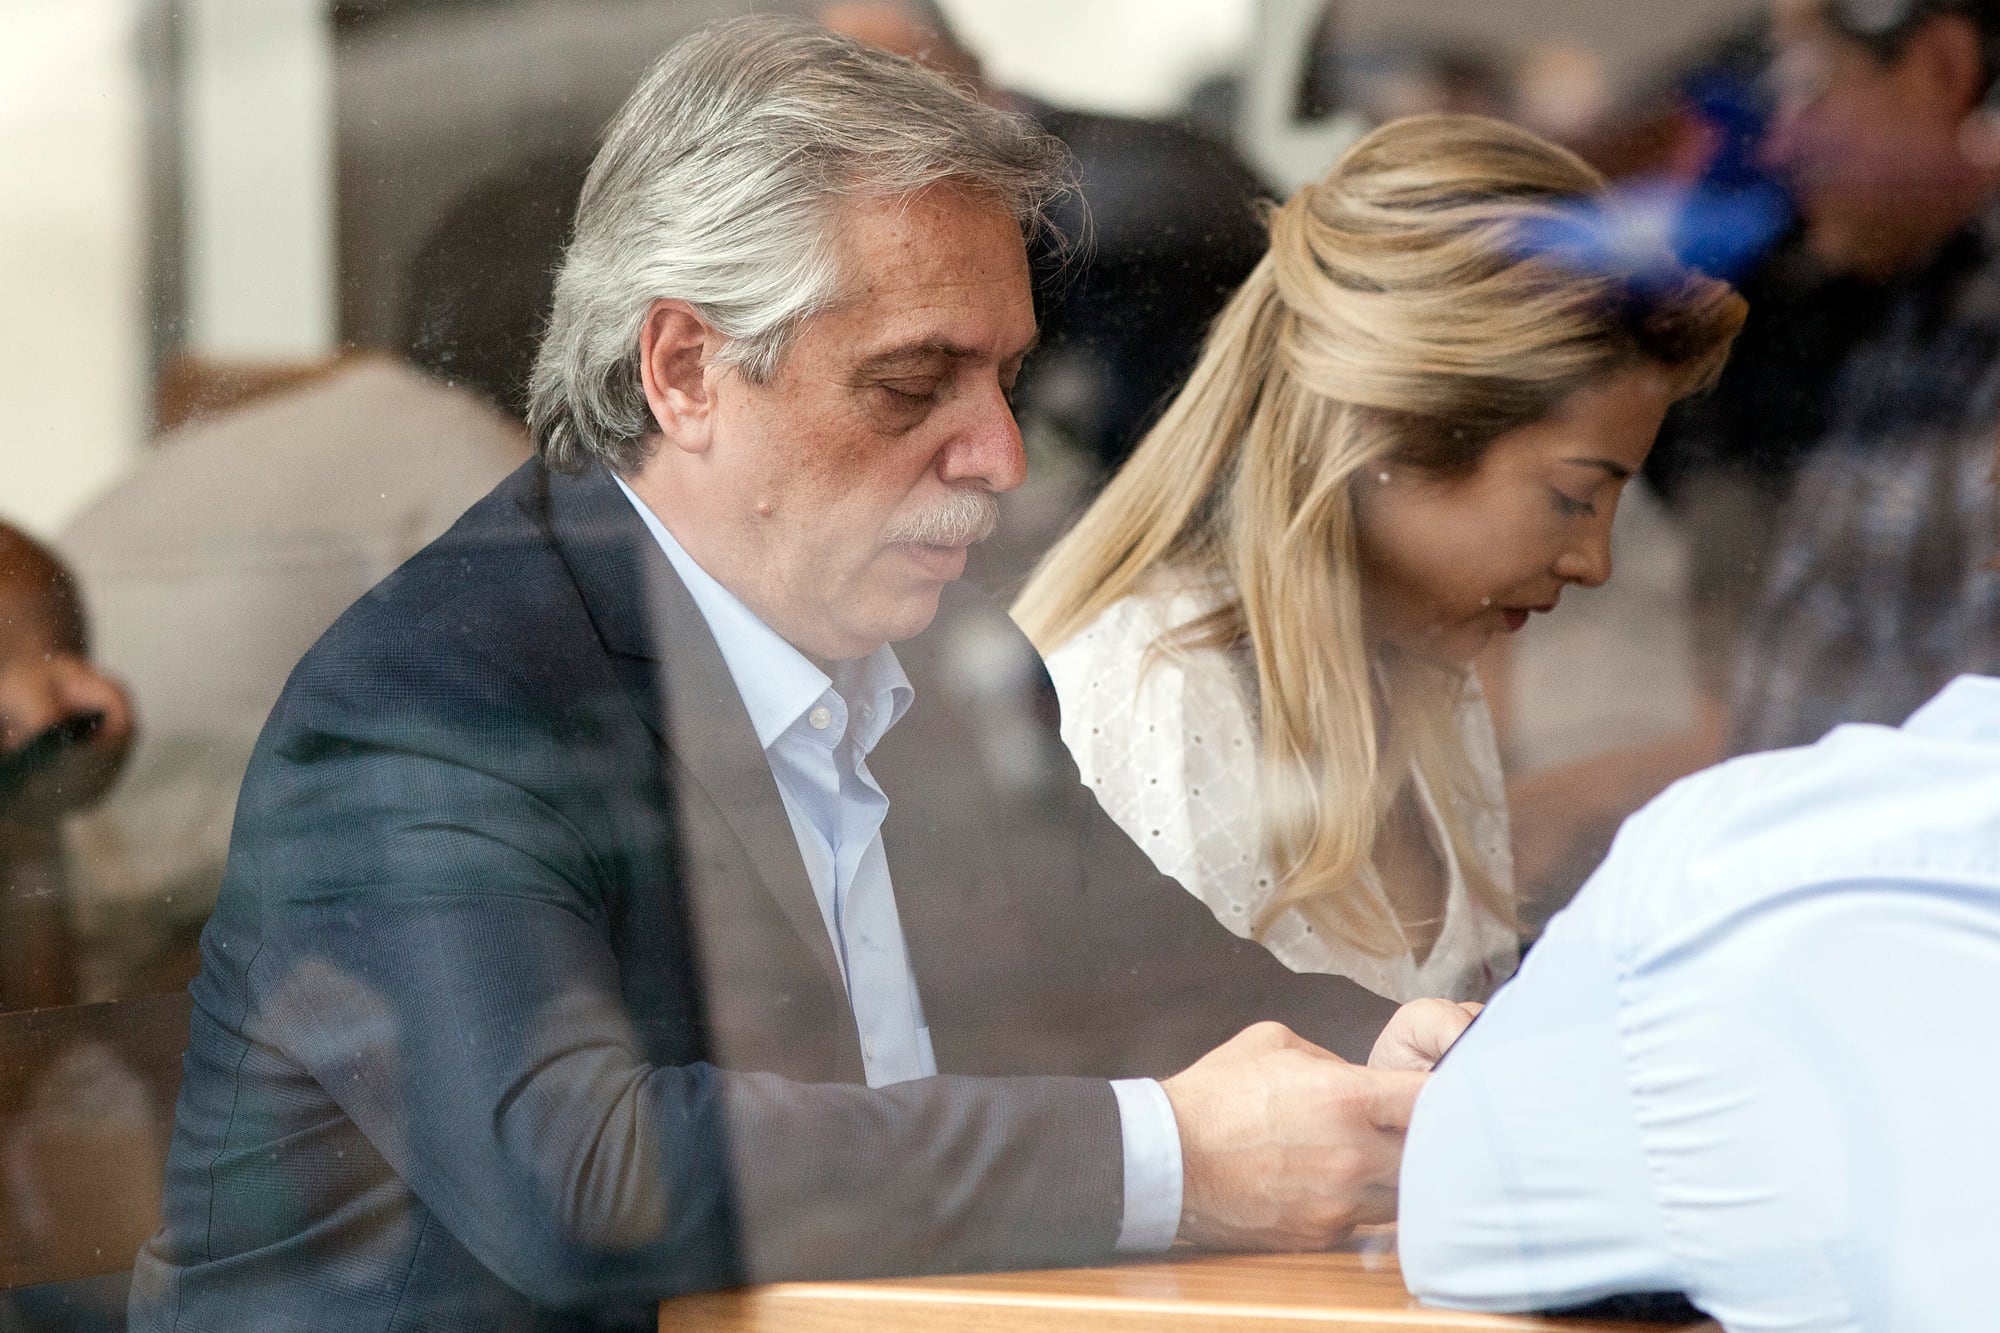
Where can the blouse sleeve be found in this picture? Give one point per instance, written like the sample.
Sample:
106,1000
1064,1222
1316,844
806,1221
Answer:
1166,741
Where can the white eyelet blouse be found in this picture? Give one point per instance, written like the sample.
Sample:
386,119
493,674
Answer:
1167,739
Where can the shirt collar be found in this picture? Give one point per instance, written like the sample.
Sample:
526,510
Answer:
1968,710
780,684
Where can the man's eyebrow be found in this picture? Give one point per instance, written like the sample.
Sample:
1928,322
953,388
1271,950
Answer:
912,354
1618,471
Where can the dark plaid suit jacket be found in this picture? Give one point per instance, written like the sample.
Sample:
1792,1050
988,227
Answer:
517,1010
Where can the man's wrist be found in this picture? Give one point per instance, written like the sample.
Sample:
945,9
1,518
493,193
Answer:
1152,1174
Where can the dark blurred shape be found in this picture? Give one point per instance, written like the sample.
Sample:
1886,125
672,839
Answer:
1172,232
45,751
478,289
1769,410
1214,107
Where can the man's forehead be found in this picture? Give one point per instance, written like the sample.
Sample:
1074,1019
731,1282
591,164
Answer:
938,275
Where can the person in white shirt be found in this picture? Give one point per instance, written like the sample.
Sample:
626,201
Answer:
1408,430
1750,1063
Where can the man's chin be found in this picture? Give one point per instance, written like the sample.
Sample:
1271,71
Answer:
913,615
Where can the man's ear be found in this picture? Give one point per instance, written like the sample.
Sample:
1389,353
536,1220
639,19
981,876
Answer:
1945,65
676,357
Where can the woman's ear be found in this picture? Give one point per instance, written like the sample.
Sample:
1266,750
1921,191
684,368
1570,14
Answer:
676,352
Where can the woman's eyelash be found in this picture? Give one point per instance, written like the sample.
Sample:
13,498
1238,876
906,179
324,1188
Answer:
1571,507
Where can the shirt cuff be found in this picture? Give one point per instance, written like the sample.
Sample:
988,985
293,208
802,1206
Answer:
1152,1166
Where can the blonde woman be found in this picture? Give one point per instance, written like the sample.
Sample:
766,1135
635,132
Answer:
1407,432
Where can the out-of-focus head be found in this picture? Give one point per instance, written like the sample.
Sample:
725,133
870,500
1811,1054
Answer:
1872,127
791,315
914,29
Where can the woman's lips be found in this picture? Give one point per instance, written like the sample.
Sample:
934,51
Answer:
1513,617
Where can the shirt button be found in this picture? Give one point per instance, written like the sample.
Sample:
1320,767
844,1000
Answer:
821,718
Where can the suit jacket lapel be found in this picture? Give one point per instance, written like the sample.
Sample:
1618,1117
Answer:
674,673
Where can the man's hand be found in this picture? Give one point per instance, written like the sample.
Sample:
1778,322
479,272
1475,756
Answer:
1285,1146
1419,1034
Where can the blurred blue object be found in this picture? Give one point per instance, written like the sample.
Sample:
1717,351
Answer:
1728,232
1725,220
1644,230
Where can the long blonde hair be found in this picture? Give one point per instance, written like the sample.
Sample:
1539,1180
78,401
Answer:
1437,288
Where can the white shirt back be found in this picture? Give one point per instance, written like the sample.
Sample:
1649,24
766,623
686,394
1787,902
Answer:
1752,1061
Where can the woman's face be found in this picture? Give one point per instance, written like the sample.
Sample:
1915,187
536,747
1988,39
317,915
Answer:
1447,564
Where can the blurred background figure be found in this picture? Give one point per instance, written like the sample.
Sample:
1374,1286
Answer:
245,533
211,569
64,729
1879,588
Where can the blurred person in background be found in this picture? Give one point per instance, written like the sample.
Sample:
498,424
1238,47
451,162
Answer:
1873,588
1409,430
243,534
612,912
1879,588
65,727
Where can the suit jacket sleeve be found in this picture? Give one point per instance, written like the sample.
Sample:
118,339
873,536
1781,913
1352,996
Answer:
436,948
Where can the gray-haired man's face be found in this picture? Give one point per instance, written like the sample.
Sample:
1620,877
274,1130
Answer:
841,496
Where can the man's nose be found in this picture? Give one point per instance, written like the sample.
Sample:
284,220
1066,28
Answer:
1588,562
986,446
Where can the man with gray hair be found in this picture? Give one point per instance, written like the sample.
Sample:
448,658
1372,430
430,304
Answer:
612,912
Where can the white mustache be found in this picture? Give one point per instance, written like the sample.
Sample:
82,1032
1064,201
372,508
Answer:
960,519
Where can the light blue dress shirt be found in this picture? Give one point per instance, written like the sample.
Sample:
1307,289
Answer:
818,729
1753,1062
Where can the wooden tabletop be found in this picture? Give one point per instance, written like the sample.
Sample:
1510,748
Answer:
1355,1289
